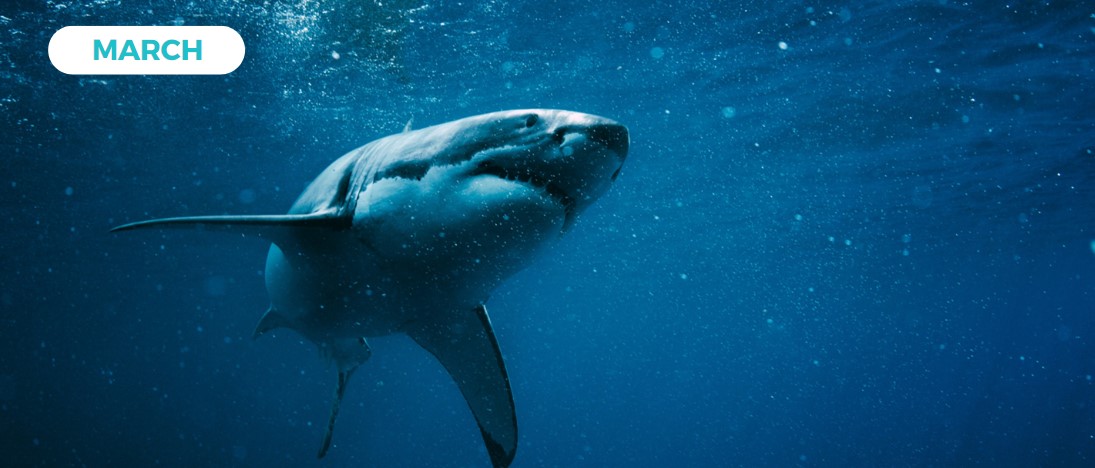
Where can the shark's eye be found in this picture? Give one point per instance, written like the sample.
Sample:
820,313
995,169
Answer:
531,120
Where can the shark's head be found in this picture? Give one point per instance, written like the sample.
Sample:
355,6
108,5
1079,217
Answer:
498,185
569,157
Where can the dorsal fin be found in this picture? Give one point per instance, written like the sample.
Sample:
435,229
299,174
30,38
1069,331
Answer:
407,128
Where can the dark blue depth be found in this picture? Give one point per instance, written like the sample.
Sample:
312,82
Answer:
851,234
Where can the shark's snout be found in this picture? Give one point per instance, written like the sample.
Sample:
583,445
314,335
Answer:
602,143
609,136
613,136
607,133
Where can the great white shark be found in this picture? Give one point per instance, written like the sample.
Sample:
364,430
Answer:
410,234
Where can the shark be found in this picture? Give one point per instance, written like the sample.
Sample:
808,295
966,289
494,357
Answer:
410,233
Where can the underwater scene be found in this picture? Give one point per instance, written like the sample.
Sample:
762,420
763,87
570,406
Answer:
713,234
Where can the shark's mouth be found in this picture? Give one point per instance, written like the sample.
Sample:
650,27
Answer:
546,186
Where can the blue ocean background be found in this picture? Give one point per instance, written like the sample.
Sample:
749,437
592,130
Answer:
847,234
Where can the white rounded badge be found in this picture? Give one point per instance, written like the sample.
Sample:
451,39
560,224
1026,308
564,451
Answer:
146,50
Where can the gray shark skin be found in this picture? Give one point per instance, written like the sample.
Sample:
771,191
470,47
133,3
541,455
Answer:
410,234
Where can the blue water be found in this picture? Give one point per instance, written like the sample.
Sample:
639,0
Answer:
854,233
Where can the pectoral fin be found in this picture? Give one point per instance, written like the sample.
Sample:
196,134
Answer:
324,219
280,229
465,345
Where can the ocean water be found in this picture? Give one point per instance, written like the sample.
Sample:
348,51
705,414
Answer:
847,234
